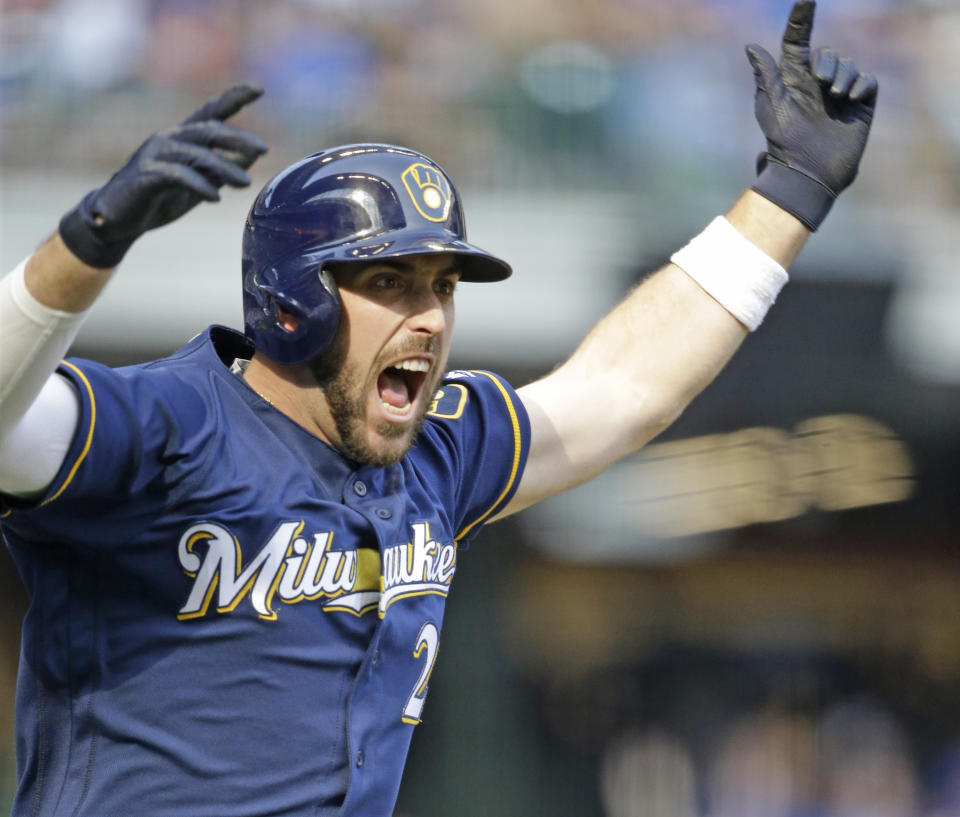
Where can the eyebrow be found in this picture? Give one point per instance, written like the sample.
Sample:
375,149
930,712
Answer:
347,272
402,265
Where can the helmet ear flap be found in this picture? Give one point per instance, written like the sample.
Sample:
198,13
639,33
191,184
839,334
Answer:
306,292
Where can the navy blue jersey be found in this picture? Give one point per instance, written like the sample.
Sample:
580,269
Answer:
226,617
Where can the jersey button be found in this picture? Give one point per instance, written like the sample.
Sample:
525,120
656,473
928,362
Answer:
384,513
359,758
360,488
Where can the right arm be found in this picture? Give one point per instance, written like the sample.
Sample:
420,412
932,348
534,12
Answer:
59,280
42,305
44,301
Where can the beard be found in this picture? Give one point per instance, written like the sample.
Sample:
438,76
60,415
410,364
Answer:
345,388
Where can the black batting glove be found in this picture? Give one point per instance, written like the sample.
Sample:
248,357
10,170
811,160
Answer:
170,173
816,114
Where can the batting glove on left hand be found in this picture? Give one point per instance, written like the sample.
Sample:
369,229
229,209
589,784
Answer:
816,115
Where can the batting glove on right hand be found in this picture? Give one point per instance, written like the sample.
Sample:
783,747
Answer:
816,115
172,172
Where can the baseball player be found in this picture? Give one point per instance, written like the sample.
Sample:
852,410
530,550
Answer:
238,556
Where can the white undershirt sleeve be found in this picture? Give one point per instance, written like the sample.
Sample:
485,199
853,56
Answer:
39,411
32,452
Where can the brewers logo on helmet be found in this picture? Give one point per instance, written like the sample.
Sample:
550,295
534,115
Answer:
429,189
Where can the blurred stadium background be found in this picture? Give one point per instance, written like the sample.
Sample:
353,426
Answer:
759,615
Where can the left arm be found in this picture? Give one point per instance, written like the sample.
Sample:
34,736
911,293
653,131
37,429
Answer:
641,366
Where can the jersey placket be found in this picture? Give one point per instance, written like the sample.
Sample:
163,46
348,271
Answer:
378,497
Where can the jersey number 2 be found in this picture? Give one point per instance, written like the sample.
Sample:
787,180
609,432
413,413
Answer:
427,641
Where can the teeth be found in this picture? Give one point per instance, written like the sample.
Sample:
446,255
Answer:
395,409
413,365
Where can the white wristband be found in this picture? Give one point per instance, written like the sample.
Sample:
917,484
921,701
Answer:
740,276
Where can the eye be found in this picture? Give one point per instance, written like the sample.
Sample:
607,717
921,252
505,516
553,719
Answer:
387,281
445,286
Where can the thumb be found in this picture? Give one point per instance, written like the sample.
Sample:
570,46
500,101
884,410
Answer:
766,73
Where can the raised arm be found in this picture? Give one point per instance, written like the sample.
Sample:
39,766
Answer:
641,365
168,175
43,302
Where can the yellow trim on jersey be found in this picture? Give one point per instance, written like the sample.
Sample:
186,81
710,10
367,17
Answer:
517,448
86,445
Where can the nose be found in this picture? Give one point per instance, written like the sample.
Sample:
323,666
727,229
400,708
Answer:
428,312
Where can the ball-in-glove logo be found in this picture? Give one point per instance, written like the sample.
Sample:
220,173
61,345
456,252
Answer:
429,190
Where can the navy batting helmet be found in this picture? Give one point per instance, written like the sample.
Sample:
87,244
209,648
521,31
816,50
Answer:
351,203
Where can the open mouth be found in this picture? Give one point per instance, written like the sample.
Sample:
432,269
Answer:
399,385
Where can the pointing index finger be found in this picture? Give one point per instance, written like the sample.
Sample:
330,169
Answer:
226,104
796,39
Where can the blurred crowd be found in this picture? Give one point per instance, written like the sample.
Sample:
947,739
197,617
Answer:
854,760
626,93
